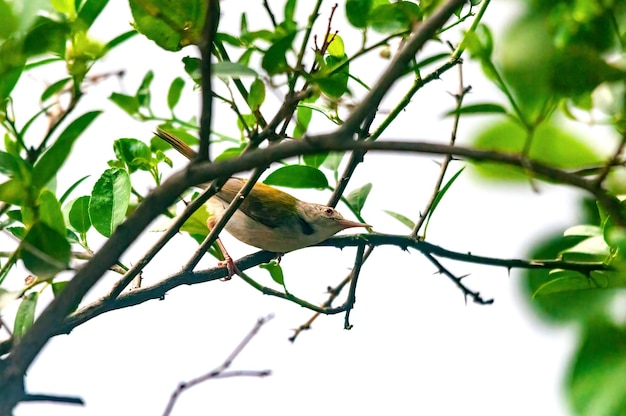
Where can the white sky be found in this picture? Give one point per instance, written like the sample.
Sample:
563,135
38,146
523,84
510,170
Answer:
415,348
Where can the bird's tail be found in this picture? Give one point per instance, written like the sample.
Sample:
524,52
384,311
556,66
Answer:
180,146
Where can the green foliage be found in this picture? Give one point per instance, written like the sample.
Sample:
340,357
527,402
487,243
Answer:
181,26
552,61
109,200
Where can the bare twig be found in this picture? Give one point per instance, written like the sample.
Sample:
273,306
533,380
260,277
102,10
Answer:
220,372
457,281
459,96
205,46
358,262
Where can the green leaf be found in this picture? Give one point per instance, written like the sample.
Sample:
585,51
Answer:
275,58
118,40
55,88
591,249
275,271
333,160
256,95
8,21
315,160
297,176
69,191
559,305
197,223
230,153
358,11
12,60
232,70
550,144
44,251
171,25
594,383
485,108
134,153
79,214
336,47
174,93
303,118
334,83
57,287
13,192
404,220
52,160
394,17
25,315
440,195
89,11
357,198
128,103
109,201
50,211
289,10
143,94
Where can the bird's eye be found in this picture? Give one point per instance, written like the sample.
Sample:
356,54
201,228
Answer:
329,211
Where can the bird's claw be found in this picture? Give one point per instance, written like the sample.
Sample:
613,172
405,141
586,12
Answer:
230,266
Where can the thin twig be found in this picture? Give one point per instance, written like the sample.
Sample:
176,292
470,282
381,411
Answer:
457,281
459,96
205,45
220,372
356,270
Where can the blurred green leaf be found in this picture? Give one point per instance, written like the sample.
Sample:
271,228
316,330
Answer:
52,160
143,94
44,251
550,144
232,70
485,108
315,160
25,315
12,60
334,83
197,223
50,211
128,103
55,88
357,12
594,383
561,306
13,192
256,95
174,93
404,220
69,191
109,201
8,20
171,25
394,17
303,118
357,198
89,11
297,176
275,58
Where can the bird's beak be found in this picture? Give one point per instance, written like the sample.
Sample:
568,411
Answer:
351,224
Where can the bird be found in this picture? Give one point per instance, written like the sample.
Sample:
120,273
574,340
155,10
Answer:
268,218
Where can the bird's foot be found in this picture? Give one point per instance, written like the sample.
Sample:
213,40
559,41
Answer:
230,266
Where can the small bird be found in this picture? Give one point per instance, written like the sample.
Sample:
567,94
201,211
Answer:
268,218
